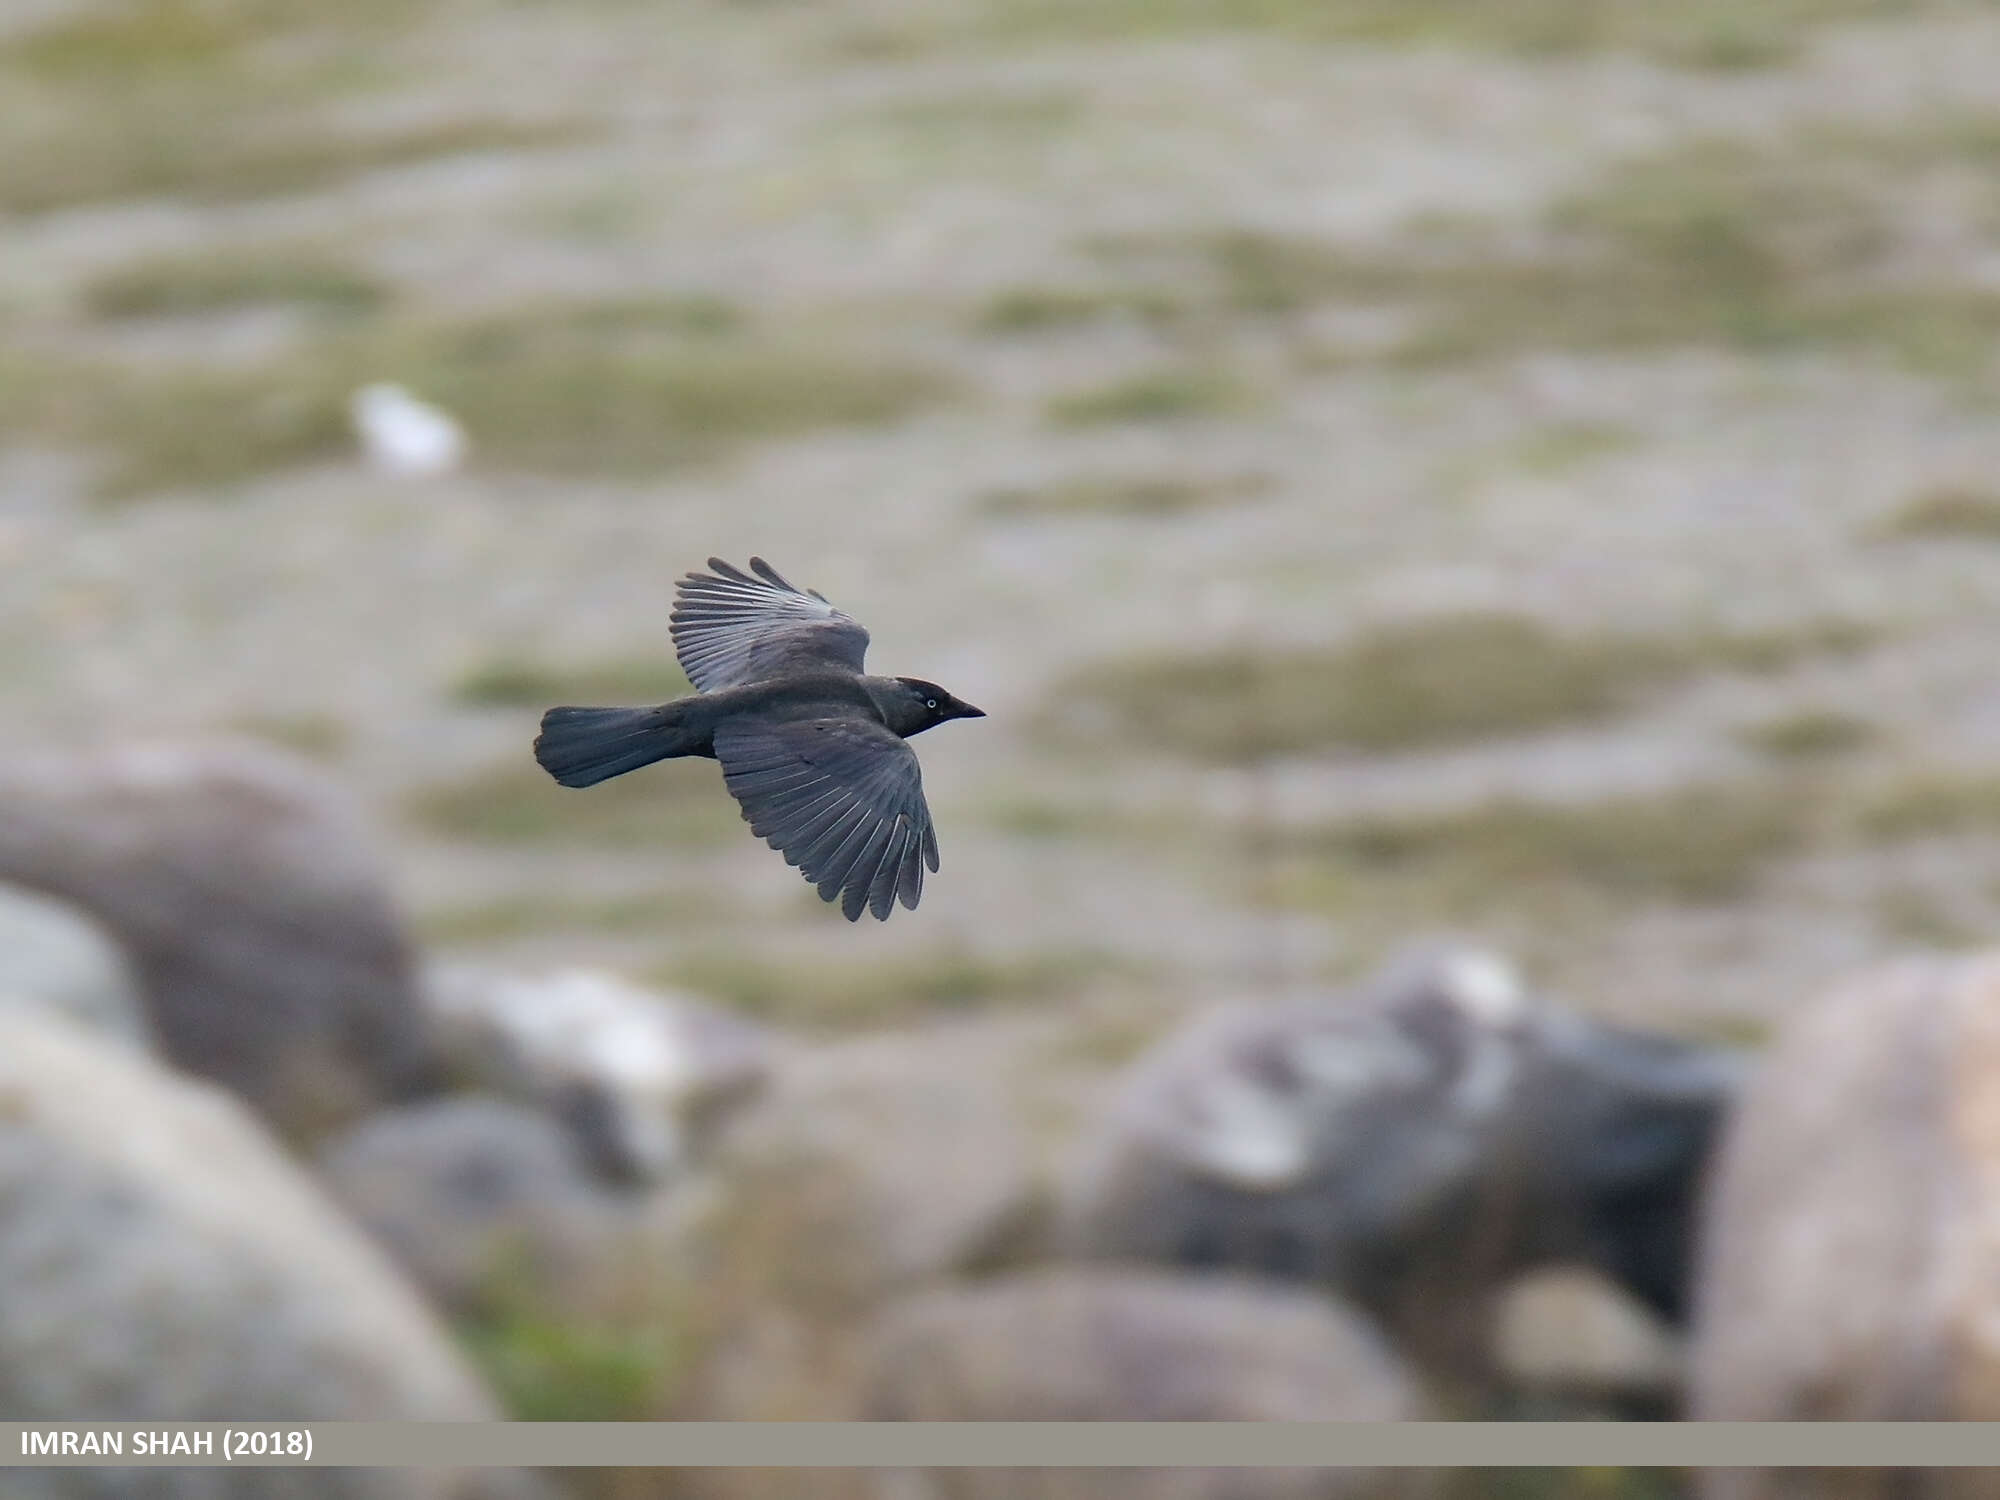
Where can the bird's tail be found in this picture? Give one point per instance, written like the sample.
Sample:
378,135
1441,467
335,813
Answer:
583,746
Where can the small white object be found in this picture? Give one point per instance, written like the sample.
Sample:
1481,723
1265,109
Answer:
405,436
1242,1135
1485,987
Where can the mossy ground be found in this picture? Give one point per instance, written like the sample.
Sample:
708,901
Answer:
1343,469
1439,681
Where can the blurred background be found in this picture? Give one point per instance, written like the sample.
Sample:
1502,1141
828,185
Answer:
1522,471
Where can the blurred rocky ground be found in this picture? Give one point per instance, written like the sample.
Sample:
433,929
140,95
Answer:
1434,1193
1521,473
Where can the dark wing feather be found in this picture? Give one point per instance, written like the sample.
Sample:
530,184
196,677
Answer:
730,628
840,798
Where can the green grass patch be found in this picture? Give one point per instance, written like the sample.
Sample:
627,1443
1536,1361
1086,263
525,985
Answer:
1035,816
1737,216
524,682
849,996
147,37
1142,496
968,131
1810,734
662,913
1037,309
1548,452
1747,1033
1108,1040
550,1364
142,37
1239,271
124,39
1269,273
634,319
1170,394
1440,681
1947,511
1799,244
677,805
555,404
1932,802
210,100
1699,844
1458,678
1916,917
976,116
550,1369
1746,247
1563,446
152,144
320,736
620,389
1548,872
179,285
196,428
1773,648
1710,34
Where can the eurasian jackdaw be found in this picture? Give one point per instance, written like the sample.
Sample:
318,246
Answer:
809,744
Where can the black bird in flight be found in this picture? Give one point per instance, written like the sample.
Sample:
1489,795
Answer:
809,744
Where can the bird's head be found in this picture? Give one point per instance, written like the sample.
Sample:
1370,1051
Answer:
927,705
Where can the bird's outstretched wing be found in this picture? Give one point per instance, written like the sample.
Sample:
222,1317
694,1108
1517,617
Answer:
730,628
842,799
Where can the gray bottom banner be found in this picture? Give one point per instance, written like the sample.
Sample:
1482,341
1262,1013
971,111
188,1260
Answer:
1007,1444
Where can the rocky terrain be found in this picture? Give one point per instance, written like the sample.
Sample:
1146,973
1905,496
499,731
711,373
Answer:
1529,471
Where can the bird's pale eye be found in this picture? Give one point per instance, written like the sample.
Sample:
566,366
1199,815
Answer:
930,703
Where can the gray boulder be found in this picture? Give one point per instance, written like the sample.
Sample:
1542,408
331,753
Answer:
1848,1264
487,1204
54,960
867,1167
918,1138
642,1078
1411,1144
160,1257
253,908
1568,1335
1077,1344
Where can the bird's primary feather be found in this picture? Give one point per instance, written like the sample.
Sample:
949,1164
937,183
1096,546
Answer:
730,628
842,799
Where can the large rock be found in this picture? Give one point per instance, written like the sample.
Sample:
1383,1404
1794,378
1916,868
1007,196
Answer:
252,906
161,1258
1568,1335
214,1278
488,1206
1411,1144
1083,1345
867,1166
54,960
643,1079
1850,1267
922,1134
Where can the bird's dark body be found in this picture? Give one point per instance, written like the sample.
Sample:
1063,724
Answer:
686,726
809,744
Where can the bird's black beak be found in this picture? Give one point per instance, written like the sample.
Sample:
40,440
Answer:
963,710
